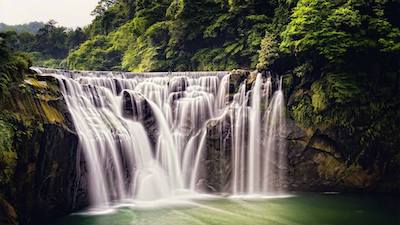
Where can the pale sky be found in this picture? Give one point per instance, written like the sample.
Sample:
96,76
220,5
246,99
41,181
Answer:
69,13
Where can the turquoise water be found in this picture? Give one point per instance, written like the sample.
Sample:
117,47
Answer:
304,209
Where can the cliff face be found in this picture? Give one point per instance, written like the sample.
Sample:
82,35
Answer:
39,154
344,132
317,162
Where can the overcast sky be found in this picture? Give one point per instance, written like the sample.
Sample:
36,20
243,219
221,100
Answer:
69,13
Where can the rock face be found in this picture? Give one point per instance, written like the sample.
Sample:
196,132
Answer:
44,181
8,216
136,107
340,141
47,175
217,158
316,163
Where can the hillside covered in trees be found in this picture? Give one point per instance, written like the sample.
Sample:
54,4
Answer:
32,27
167,35
46,44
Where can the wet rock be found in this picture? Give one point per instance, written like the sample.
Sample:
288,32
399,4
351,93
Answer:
236,78
178,84
316,163
217,158
136,107
8,215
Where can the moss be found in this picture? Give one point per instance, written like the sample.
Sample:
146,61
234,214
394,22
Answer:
8,156
333,169
35,83
356,176
34,101
318,97
329,167
52,114
303,112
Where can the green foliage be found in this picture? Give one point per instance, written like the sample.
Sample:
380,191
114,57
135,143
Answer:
51,41
334,89
343,57
268,53
31,27
12,67
319,99
303,112
95,54
44,61
303,70
145,54
182,35
213,60
110,15
48,46
332,29
8,155
102,6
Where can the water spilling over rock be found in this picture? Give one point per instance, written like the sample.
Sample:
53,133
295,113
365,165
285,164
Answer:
146,136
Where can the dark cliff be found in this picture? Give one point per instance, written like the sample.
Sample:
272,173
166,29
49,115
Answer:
39,158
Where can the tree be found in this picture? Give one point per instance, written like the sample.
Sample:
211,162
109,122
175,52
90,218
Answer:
102,7
333,30
269,52
51,40
11,40
75,38
27,41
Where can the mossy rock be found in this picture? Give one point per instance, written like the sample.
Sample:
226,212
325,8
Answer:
8,156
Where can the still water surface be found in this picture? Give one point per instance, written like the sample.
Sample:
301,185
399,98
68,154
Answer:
301,209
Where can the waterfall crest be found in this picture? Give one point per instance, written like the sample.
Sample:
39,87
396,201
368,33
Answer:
144,136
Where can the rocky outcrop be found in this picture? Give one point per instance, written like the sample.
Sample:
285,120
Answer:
216,160
318,162
44,181
136,107
344,133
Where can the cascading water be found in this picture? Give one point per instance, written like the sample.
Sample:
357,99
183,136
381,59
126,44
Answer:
258,143
143,136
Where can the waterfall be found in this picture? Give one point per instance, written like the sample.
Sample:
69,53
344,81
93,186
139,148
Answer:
274,141
254,162
146,136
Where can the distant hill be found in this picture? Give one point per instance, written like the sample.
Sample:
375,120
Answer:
31,27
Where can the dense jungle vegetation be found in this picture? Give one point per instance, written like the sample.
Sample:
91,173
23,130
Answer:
46,44
32,27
